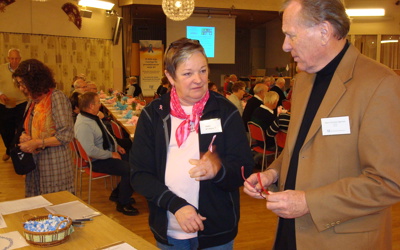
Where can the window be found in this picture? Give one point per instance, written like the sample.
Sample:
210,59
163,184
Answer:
390,51
366,44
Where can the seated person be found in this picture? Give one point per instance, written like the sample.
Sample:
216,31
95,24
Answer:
164,86
80,85
256,101
107,156
238,91
212,87
92,87
269,122
279,88
74,99
134,89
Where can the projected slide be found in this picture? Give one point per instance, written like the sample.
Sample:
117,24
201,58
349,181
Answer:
206,36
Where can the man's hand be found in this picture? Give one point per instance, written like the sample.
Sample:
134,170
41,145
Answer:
253,188
189,220
3,98
288,204
116,155
121,150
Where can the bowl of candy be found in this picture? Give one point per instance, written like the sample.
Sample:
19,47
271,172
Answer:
48,230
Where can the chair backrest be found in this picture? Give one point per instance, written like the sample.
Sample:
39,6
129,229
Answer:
281,139
256,131
116,130
81,151
286,104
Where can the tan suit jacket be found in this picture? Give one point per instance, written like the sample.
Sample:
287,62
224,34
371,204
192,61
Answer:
350,180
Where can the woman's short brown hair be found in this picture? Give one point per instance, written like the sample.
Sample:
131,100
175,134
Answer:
179,51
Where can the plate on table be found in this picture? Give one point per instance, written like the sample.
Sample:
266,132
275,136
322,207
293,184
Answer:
123,120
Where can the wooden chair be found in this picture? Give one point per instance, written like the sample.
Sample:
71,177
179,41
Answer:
116,130
257,133
84,165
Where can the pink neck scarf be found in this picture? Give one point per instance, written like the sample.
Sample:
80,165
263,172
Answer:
183,130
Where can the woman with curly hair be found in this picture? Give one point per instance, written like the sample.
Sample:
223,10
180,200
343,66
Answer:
48,128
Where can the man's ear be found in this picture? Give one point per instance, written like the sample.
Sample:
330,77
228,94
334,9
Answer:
326,31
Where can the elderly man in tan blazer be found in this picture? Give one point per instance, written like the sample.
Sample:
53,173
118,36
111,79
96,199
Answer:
339,173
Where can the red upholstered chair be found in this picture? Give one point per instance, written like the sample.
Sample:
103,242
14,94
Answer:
257,133
286,104
280,139
84,165
117,130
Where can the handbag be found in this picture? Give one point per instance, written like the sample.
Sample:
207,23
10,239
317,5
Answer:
23,162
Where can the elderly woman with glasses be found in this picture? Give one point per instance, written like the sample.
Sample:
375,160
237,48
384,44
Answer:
187,154
48,128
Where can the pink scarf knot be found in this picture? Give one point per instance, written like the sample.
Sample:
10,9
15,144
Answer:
184,129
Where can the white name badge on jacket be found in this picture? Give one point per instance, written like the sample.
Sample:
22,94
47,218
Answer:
210,126
335,125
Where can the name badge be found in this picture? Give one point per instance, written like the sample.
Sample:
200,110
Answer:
335,125
210,126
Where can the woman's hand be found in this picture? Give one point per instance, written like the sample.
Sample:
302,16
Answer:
189,220
206,168
24,138
30,146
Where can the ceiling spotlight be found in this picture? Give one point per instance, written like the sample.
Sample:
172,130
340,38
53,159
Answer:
96,4
365,12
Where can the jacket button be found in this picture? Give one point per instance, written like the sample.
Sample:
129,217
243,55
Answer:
338,222
333,224
327,226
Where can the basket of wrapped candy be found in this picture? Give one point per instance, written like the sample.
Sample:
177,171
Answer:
48,230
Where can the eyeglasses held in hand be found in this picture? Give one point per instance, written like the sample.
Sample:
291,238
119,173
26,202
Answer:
253,186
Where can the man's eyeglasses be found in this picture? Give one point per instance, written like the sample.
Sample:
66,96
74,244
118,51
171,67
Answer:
253,186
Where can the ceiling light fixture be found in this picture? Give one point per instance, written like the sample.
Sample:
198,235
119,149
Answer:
178,10
96,4
365,12
389,41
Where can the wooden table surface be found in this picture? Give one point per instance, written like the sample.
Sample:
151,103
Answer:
100,232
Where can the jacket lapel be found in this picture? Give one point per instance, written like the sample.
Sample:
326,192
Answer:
336,90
